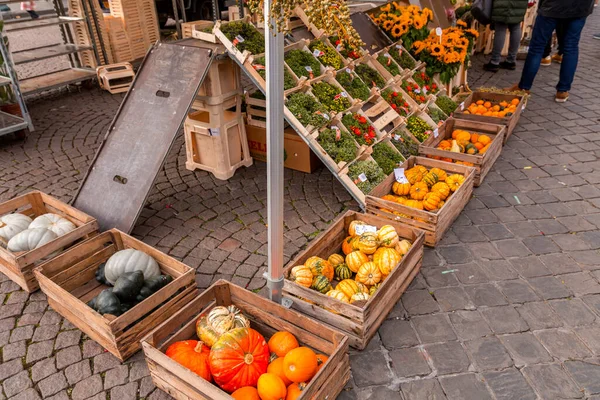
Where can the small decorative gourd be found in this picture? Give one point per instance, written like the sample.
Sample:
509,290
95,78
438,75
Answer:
355,259
403,247
414,175
128,286
335,260
368,243
431,201
387,236
321,284
442,189
30,239
130,260
342,272
418,191
301,275
386,259
348,287
347,245
218,321
338,295
322,267
108,303
359,297
373,289
454,181
152,286
352,227
54,222
441,174
401,189
430,179
368,274
11,224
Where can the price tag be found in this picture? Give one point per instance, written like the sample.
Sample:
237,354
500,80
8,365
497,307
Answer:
308,68
339,47
344,94
523,107
215,131
360,229
362,177
425,90
436,133
326,116
417,91
348,70
399,47
338,132
438,31
317,53
396,137
259,67
462,106
387,55
239,39
399,175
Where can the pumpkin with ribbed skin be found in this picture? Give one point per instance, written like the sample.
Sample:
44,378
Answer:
414,204
335,260
431,201
414,175
281,343
300,365
387,236
301,275
30,239
238,359
418,191
347,245
373,289
321,284
322,267
193,355
355,259
386,259
368,243
54,222
442,189
271,387
403,247
11,224
359,297
312,261
294,391
129,260
401,189
441,174
338,295
349,287
352,226
368,274
246,393
342,272
454,181
218,321
430,179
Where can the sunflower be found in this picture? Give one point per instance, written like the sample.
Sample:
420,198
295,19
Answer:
461,23
419,46
436,50
404,27
396,31
388,25
418,23
386,8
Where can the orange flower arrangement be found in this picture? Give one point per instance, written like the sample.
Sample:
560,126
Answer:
408,23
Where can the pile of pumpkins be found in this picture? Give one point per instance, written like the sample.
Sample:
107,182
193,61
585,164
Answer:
240,361
20,233
490,108
133,276
464,142
370,255
426,189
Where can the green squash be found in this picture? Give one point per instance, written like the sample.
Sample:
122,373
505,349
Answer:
321,284
100,277
153,285
108,303
342,271
128,286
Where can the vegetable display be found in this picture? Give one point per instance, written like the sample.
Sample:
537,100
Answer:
303,63
332,97
130,260
493,109
30,239
219,321
436,114
11,224
21,233
386,157
353,85
465,142
193,355
307,109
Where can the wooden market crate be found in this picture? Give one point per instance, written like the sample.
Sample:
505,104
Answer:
509,122
435,224
19,266
359,323
482,163
267,318
69,281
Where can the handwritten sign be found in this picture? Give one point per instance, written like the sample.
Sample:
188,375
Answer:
399,175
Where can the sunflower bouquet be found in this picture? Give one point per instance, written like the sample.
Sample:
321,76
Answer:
408,23
444,56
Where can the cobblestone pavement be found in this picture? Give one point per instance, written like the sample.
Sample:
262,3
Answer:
516,315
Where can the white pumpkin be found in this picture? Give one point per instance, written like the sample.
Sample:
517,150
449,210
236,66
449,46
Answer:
130,260
54,222
31,239
11,224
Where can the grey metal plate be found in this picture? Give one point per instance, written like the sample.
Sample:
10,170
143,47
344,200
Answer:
375,39
122,174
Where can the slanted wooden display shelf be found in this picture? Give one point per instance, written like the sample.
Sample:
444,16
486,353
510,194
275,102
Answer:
510,121
333,166
267,318
435,224
199,30
240,56
69,282
481,162
19,266
303,46
358,322
382,115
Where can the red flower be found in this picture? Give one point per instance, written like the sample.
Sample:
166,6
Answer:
427,87
337,42
434,86
422,75
394,106
362,120
409,88
394,94
406,104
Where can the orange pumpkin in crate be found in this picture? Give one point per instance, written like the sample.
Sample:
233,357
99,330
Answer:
300,364
294,391
246,393
271,387
193,355
281,343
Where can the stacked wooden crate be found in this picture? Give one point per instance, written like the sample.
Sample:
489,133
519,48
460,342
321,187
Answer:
119,40
97,36
140,23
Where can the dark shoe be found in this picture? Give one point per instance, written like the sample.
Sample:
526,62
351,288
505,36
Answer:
561,97
491,67
508,65
33,14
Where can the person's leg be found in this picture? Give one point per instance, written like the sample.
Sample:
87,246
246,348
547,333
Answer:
499,39
547,49
572,34
542,32
514,42
560,34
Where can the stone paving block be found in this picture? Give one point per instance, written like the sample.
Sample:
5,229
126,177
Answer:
563,344
125,392
559,263
43,369
573,311
581,283
585,375
17,384
105,361
485,295
116,376
378,392
429,389
530,267
488,353
448,357
512,248
455,254
377,371
433,328
548,287
469,324
452,299
499,270
509,384
78,372
517,291
470,274
68,356
29,394
435,278
87,388
409,362
496,231
465,387
525,349
419,302
551,382
52,384
539,315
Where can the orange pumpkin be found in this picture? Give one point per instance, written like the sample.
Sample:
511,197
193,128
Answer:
368,274
418,191
454,181
294,391
300,364
474,137
246,393
276,367
401,189
442,189
281,343
322,267
271,387
321,360
347,245
355,259
483,139
193,355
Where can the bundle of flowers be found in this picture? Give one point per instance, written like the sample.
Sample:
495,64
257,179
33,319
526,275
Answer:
414,91
344,48
332,97
303,63
338,144
288,80
436,114
428,86
244,36
419,128
362,131
386,157
308,110
405,144
370,76
386,61
366,175
326,55
402,57
408,23
355,86
396,101
445,56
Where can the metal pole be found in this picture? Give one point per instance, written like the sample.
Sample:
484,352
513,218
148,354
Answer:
274,93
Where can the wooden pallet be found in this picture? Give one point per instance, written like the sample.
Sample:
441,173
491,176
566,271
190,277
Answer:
359,323
267,318
69,282
18,267
435,224
481,162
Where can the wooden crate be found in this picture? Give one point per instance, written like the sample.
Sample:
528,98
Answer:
115,78
509,122
119,40
358,323
383,117
241,56
69,282
267,318
222,81
19,266
435,224
481,163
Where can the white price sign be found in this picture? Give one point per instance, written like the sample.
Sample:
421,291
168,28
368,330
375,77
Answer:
362,177
461,106
215,131
308,68
399,174
436,133
360,229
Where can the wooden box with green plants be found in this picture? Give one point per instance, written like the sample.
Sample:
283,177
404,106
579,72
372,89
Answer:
229,343
34,228
116,289
350,277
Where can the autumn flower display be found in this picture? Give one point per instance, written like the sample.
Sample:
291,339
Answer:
408,23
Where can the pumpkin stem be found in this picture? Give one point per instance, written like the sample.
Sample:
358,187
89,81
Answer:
198,348
248,358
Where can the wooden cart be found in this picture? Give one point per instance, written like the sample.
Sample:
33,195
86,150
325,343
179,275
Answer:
481,162
69,282
267,318
435,224
19,266
360,323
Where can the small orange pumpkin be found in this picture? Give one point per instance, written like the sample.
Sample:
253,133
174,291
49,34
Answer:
276,367
355,259
271,387
246,393
368,274
321,360
281,343
401,189
432,201
294,391
193,355
347,245
322,267
300,364
418,191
